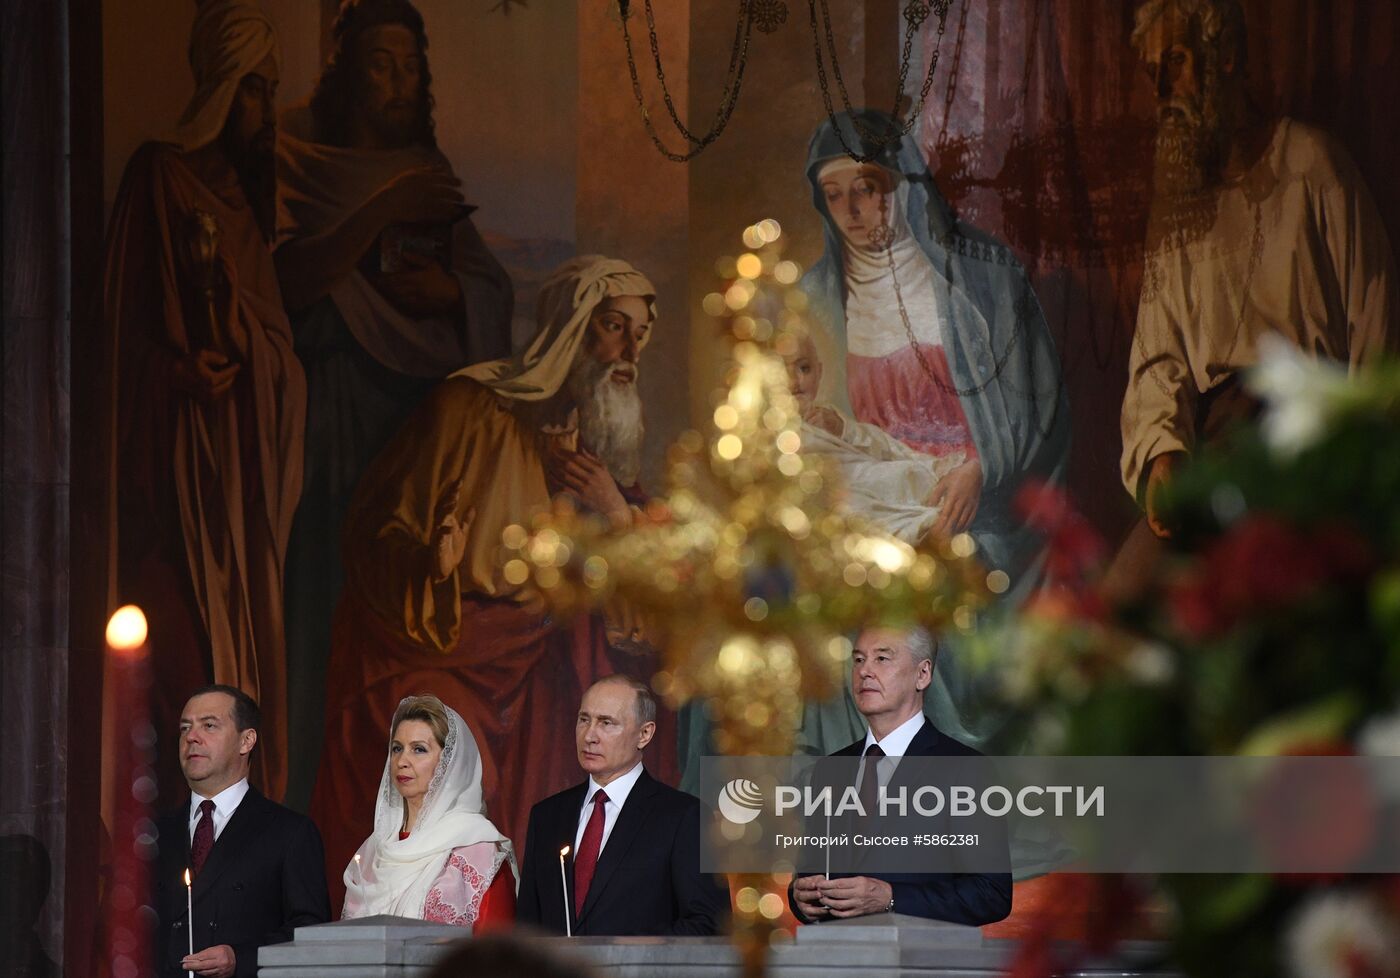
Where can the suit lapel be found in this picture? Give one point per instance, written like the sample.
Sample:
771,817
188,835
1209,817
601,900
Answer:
230,840
925,742
624,833
564,829
175,833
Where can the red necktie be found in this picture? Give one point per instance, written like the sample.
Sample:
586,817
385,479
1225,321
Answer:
587,860
203,839
870,781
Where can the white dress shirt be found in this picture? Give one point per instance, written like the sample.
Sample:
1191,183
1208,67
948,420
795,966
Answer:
618,789
894,745
225,802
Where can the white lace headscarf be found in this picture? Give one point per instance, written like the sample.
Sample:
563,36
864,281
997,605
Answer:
874,324
567,300
394,876
229,39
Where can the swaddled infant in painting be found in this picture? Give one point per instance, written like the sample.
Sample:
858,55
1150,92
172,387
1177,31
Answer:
887,482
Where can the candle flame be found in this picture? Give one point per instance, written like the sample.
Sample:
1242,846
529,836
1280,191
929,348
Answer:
563,852
126,630
187,877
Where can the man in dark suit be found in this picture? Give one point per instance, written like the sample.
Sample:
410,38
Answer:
633,862
257,868
890,669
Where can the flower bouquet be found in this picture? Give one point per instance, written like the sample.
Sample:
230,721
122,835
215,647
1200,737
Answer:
1270,626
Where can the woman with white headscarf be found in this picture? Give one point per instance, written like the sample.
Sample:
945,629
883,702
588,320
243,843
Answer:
428,603
433,854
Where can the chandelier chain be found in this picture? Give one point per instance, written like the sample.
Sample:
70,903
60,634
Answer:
953,70
738,49
913,20
881,139
729,97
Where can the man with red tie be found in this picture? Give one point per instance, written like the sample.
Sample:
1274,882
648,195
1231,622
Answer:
633,863
256,868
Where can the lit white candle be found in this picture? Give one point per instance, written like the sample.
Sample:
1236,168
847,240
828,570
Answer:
564,883
358,875
189,919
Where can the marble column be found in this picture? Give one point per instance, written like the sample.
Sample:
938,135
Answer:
34,485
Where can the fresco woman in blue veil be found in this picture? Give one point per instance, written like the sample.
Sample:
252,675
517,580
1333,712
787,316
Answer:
936,337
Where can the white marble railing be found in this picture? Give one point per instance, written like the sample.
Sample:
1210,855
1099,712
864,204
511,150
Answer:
880,946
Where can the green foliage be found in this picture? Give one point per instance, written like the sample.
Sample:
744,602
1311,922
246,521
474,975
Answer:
1278,608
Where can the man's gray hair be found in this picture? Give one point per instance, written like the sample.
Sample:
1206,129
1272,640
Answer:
646,700
1220,24
922,645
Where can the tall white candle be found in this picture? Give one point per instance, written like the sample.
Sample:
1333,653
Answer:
189,919
564,884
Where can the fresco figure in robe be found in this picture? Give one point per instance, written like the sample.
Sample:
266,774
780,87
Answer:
208,397
1259,226
390,289
938,340
427,605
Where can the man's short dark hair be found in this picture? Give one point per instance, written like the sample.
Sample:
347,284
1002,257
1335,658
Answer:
333,102
246,715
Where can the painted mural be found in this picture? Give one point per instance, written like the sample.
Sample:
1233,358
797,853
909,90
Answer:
384,277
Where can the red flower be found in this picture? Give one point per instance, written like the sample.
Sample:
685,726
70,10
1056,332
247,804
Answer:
1196,608
1074,549
1263,563
1317,816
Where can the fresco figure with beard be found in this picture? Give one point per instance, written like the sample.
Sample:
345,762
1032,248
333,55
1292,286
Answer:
208,397
390,286
426,605
1259,225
